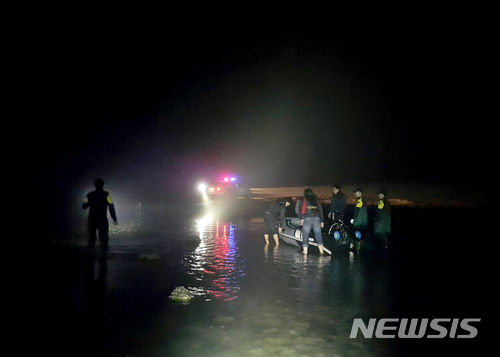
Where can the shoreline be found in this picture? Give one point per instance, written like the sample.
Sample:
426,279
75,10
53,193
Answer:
423,196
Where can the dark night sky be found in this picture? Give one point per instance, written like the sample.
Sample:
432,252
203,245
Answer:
394,94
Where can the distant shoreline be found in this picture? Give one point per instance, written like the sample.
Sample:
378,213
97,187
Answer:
414,195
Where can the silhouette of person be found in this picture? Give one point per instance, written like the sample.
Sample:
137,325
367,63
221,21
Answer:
273,218
338,204
382,225
310,212
98,202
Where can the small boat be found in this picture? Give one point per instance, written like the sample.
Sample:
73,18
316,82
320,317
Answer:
291,233
335,238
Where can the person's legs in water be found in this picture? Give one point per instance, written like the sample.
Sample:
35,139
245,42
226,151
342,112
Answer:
92,236
316,225
270,229
306,229
276,239
381,241
104,236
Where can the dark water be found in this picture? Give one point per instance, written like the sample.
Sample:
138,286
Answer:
251,299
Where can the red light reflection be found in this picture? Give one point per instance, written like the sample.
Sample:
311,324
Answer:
223,266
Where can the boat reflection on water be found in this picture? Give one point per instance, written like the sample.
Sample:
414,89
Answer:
216,264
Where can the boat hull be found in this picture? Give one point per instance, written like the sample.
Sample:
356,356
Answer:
291,233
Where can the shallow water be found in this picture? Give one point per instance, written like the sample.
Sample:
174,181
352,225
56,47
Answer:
250,299
264,300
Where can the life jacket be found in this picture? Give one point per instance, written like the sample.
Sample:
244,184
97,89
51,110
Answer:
98,202
360,214
306,207
381,204
383,218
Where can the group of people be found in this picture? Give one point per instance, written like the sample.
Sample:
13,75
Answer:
310,211
308,208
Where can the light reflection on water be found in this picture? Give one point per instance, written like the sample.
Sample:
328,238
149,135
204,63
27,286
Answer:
216,264
262,300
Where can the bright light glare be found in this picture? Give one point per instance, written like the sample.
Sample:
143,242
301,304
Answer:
202,223
233,178
226,179
202,187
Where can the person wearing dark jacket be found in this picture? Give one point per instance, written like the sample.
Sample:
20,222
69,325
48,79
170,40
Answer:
98,202
338,204
382,225
360,218
310,212
273,218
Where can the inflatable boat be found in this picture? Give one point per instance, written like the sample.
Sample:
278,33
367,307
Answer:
291,233
336,237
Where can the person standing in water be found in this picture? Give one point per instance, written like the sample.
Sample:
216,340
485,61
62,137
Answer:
337,205
360,219
310,212
98,202
273,218
382,225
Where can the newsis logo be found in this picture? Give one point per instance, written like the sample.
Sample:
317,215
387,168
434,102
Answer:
416,328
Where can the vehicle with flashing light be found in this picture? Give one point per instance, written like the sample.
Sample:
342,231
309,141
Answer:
225,187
